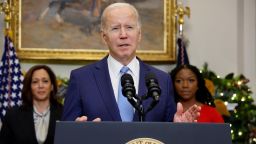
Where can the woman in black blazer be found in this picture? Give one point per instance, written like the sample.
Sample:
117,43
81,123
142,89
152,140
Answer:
34,121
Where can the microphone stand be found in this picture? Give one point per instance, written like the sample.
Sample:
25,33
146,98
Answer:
141,110
137,104
139,107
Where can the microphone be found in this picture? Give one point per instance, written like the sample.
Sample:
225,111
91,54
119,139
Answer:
154,90
128,89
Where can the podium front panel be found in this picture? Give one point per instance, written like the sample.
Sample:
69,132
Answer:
141,133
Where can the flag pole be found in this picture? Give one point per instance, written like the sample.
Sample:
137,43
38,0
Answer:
180,13
5,8
11,78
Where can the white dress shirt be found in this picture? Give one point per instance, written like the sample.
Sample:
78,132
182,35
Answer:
114,68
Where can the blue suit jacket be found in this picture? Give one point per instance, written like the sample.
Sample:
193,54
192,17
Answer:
90,93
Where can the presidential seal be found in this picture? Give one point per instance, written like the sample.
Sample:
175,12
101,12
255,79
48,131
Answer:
144,141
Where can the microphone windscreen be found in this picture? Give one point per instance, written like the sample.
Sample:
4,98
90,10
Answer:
149,78
126,78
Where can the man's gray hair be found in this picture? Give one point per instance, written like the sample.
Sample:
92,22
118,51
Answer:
119,5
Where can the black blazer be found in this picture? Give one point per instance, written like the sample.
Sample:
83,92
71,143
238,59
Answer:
18,126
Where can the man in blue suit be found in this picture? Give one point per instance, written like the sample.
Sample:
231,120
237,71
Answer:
93,89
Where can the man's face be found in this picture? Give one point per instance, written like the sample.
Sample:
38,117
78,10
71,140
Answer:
122,34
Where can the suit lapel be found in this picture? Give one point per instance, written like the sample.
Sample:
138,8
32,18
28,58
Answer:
101,75
51,129
29,121
144,70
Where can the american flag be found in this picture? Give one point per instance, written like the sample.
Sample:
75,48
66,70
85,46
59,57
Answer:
11,78
182,52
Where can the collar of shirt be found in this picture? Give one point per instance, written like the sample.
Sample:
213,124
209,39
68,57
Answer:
43,114
114,70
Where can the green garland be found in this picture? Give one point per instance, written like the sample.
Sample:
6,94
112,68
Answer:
234,90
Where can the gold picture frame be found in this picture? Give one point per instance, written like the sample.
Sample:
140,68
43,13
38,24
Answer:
33,43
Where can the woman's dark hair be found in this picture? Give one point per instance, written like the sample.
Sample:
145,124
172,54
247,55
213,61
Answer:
26,93
202,94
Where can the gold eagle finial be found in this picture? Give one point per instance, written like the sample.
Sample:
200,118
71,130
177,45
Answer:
180,13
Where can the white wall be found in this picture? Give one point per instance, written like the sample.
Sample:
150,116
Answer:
247,66
212,31
221,33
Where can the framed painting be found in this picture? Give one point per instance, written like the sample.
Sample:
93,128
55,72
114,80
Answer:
70,30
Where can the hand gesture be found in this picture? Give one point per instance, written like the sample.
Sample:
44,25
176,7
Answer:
189,115
84,119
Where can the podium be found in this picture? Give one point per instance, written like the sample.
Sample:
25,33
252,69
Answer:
68,132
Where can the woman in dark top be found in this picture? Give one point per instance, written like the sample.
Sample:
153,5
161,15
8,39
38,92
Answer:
34,121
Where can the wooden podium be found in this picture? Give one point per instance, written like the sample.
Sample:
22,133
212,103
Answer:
141,133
